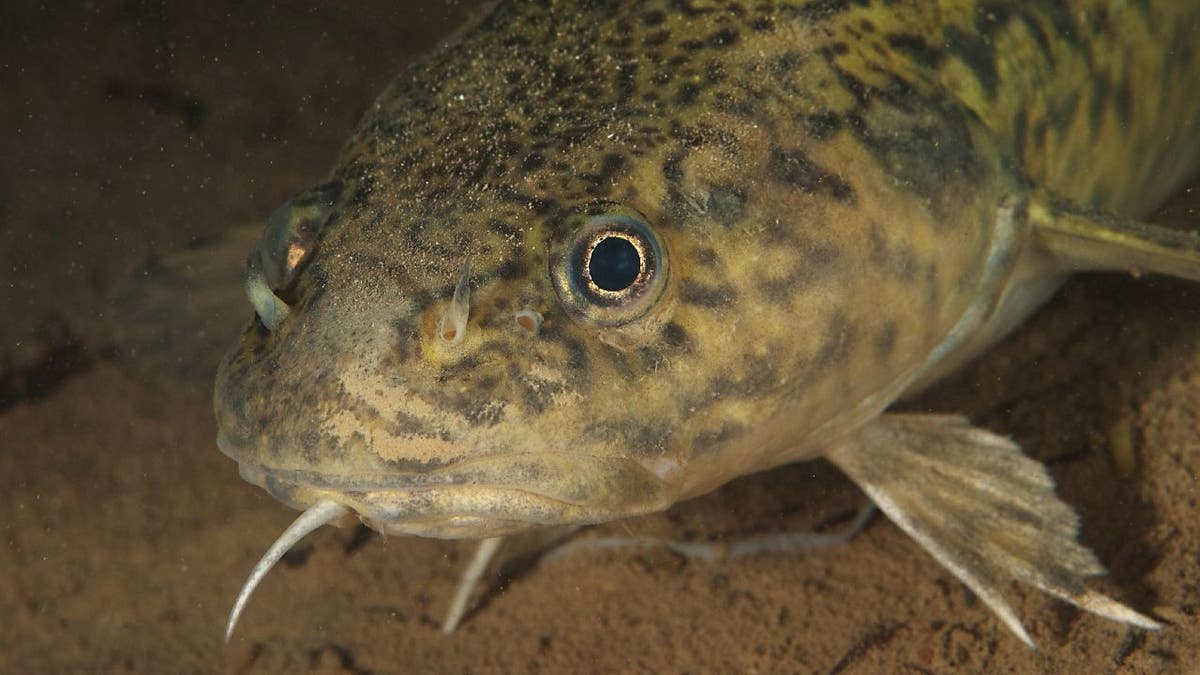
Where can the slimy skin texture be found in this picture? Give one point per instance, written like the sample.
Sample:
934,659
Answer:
840,191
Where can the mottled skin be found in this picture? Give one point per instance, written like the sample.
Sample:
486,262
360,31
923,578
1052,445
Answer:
841,190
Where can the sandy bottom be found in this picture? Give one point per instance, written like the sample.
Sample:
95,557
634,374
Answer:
124,535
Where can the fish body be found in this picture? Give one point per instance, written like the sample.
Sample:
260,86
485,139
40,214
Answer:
593,258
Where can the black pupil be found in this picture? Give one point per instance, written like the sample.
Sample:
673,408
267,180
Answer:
614,264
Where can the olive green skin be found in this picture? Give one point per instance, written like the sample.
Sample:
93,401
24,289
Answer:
838,190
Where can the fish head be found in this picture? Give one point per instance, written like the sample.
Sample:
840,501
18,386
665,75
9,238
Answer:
529,297
465,370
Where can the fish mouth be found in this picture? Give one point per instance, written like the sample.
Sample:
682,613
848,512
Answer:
424,508
487,496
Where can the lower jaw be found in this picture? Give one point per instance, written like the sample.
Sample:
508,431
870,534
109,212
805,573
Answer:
445,511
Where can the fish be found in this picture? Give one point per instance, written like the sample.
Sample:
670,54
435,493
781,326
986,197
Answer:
590,258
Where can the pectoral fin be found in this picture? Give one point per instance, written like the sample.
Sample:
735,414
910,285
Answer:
980,507
1082,240
176,315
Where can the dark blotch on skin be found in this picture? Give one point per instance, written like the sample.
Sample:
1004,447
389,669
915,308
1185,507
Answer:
838,49
1039,34
577,359
915,47
904,263
793,168
820,126
885,339
715,72
469,407
407,425
511,269
979,55
657,38
639,438
840,337
537,396
754,379
652,358
509,233
708,441
777,291
877,244
929,147
726,205
1123,100
778,232
1101,88
696,293
654,18
819,9
706,256
604,7
405,330
813,259
416,466
687,93
462,368
725,37
763,24
900,261
1021,130
672,169
933,292
533,161
626,81
675,336
814,264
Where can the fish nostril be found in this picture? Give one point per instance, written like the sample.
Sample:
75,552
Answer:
528,320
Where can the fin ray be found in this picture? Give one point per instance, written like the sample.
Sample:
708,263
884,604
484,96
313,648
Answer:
177,315
982,508
1081,240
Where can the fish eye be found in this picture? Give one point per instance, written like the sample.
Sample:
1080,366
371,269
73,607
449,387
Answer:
288,243
611,268
615,263
290,237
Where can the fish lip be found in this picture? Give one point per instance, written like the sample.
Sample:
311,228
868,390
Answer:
453,502
444,510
